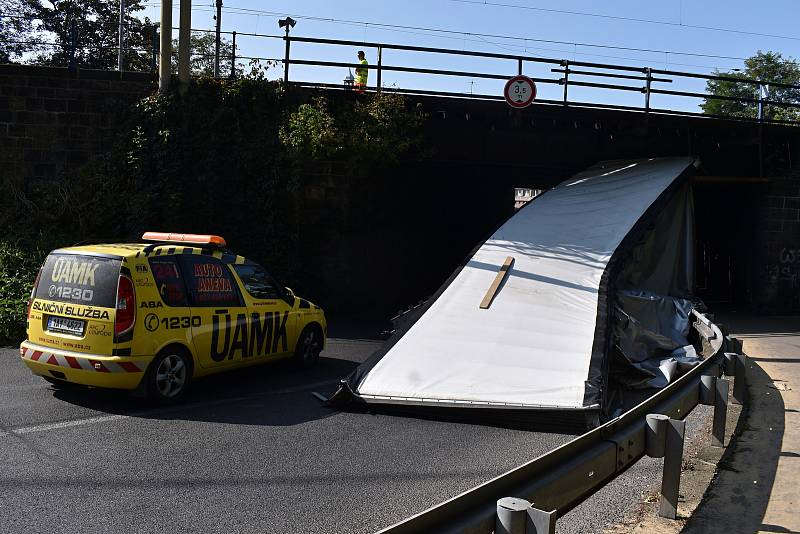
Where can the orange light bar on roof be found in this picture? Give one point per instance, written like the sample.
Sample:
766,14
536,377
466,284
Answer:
194,239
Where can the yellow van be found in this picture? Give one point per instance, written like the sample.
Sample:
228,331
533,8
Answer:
153,316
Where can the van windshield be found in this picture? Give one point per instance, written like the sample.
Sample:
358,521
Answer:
87,280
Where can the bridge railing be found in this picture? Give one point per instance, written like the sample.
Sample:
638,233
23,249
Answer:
570,74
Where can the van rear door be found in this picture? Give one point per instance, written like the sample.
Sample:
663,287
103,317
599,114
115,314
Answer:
74,303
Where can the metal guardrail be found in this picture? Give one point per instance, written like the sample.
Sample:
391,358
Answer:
554,483
565,67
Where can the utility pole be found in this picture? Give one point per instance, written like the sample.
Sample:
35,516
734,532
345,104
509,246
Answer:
165,51
121,47
184,49
216,45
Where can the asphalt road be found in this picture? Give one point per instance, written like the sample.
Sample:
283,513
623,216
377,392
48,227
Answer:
250,451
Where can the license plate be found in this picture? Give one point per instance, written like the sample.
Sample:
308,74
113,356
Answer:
65,326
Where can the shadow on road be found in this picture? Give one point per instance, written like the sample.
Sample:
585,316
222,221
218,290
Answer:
274,394
737,500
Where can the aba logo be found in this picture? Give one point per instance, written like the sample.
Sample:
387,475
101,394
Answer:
151,322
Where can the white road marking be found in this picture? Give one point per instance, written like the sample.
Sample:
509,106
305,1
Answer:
202,404
67,424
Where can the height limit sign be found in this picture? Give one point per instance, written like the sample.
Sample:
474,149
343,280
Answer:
520,91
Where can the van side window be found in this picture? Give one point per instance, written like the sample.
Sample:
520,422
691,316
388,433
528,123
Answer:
258,282
210,282
169,281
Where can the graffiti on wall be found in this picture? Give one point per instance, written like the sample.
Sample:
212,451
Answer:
788,267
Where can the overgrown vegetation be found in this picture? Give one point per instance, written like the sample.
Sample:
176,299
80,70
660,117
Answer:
227,158
769,68
18,268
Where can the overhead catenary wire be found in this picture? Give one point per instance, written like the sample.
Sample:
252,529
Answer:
477,37
627,19
242,10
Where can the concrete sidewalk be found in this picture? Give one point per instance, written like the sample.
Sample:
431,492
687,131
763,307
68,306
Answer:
757,488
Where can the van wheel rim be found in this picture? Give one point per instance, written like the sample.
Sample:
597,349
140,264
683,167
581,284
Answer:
171,376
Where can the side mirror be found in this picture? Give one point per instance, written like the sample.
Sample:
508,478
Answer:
289,296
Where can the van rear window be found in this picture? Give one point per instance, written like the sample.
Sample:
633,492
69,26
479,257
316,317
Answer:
79,279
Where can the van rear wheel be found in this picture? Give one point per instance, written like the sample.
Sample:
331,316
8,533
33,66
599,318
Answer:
170,374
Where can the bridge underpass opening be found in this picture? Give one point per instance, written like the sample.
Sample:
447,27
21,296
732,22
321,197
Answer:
727,240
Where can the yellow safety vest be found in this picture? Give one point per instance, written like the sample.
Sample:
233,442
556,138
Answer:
362,73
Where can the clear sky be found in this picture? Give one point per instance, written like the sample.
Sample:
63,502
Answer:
678,28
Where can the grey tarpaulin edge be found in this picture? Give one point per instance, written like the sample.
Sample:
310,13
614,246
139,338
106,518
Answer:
346,393
596,384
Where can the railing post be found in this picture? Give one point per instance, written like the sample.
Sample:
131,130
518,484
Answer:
664,438
154,50
648,82
233,54
286,57
73,44
565,64
380,54
519,67
121,37
714,392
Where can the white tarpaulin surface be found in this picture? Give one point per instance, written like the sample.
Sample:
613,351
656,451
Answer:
532,347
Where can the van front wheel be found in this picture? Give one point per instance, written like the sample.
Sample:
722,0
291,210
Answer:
170,375
309,345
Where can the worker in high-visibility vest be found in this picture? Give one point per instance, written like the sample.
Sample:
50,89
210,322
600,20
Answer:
361,73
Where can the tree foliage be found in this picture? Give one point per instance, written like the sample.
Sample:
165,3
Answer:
202,46
97,25
17,28
769,67
365,133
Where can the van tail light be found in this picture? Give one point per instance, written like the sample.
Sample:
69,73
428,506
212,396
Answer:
126,306
33,291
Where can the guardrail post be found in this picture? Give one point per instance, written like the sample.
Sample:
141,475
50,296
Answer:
512,516
518,516
735,365
664,438
380,57
740,379
714,392
565,64
541,522
648,82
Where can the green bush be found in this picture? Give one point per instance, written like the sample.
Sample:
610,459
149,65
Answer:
18,268
228,157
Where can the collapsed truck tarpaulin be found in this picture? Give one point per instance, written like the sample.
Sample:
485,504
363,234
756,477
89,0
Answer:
651,332
546,338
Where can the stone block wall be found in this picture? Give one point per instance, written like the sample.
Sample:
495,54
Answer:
777,284
53,121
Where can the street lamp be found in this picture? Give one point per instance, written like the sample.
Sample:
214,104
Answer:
286,23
